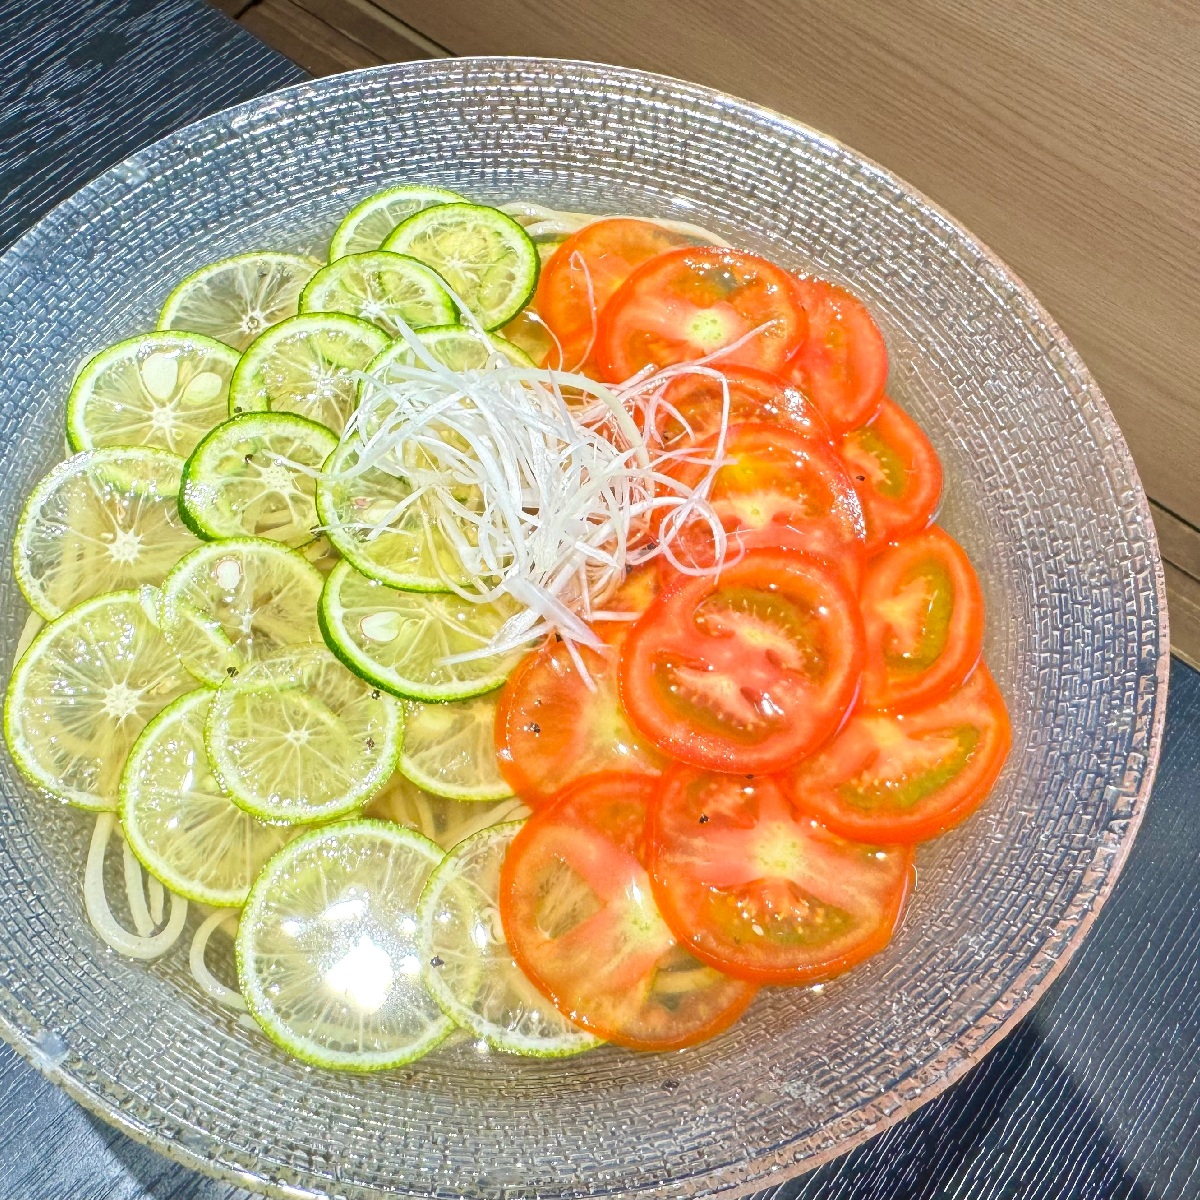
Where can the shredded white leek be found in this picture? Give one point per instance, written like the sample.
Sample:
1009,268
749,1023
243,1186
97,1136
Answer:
101,916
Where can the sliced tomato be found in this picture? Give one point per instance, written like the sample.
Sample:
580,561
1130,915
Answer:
772,476
897,474
763,892
842,365
585,270
688,304
694,548
552,728
579,916
691,406
748,670
906,777
636,592
923,617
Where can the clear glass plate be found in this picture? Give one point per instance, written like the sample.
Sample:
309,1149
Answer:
1041,490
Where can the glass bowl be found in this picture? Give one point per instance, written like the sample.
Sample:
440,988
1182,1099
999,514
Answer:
1040,489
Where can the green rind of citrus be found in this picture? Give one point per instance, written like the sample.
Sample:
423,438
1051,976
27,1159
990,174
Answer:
238,467
355,985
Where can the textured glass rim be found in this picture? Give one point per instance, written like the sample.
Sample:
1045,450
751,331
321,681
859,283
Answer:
768,1170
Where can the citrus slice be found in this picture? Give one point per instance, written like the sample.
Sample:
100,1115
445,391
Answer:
411,551
305,365
231,602
184,830
369,222
468,968
298,738
455,346
382,288
235,299
450,749
487,259
160,389
399,640
444,821
327,953
252,476
102,521
84,691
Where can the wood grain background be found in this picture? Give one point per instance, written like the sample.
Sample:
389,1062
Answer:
1065,134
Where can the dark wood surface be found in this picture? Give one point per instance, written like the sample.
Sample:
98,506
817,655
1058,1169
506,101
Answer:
1096,1096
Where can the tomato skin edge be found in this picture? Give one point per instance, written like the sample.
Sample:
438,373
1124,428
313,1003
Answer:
789,977
508,886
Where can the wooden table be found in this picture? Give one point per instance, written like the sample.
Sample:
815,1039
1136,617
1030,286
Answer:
1096,1095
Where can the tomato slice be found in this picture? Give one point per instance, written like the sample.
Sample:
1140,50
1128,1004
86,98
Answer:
843,364
772,476
600,256
551,728
691,303
636,592
923,617
762,891
690,407
897,474
748,670
906,777
579,916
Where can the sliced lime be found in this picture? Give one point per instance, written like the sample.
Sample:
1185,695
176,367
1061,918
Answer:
231,602
454,346
326,949
444,821
254,476
369,222
469,969
484,255
235,299
159,389
102,521
84,691
298,738
305,365
530,334
182,827
399,640
450,749
410,551
381,287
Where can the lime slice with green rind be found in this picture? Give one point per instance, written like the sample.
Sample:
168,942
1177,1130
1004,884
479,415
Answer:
411,552
235,299
397,640
182,827
84,691
382,288
298,738
306,365
468,967
103,521
367,225
165,390
438,818
326,948
487,259
450,749
253,476
232,602
455,346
